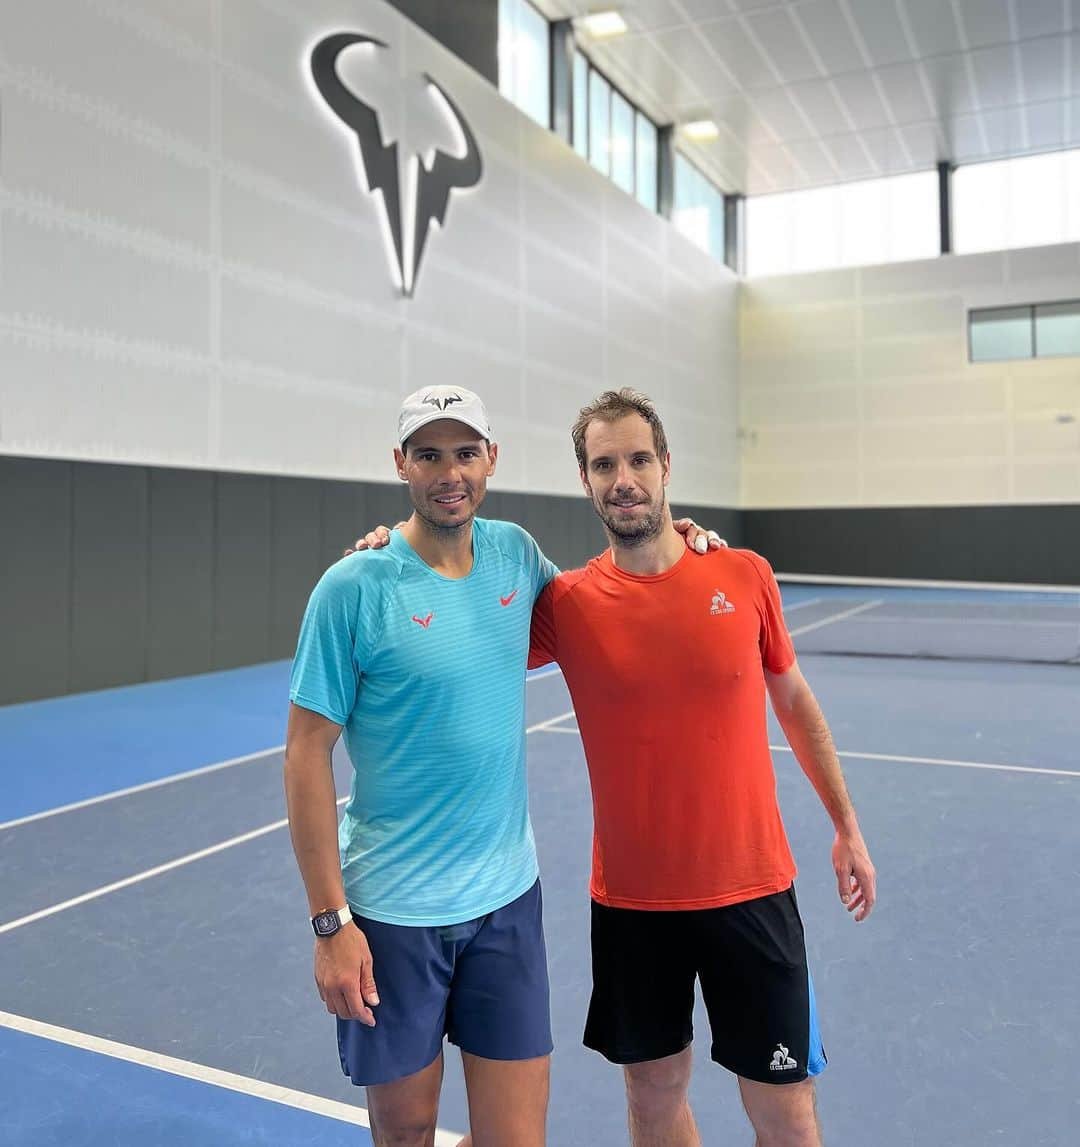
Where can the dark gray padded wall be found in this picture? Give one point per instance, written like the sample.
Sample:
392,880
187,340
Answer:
180,624
35,571
295,554
1033,544
112,575
242,545
109,550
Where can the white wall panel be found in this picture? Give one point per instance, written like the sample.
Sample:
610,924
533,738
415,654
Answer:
73,159
57,272
192,274
166,402
932,428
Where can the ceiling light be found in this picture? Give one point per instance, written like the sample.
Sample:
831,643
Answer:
602,24
700,130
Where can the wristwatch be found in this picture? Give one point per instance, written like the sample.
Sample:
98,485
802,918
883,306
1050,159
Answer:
330,921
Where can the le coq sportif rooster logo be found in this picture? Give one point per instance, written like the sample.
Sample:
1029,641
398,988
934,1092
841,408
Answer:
419,201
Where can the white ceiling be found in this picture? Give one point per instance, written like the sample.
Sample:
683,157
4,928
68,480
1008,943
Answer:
812,92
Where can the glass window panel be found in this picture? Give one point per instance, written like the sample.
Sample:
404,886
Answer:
645,182
768,234
581,105
980,207
698,208
622,143
533,65
1002,333
525,59
506,45
1036,202
599,122
1072,197
1057,329
853,224
1022,202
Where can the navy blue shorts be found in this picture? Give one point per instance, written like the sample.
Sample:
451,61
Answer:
483,984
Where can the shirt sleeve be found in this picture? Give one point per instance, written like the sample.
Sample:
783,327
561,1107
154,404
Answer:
327,666
777,652
543,648
543,570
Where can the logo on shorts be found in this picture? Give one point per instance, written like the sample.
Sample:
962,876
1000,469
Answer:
720,603
781,1061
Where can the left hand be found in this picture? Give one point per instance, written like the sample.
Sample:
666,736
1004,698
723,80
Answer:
697,539
855,876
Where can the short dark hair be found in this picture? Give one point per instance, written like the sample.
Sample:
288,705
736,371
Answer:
610,407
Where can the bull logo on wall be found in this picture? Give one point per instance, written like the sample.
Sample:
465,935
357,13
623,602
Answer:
410,210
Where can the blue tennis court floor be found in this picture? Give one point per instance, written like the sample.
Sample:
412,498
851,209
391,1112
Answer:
155,978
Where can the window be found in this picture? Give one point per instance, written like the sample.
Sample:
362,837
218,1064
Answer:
645,175
581,105
622,143
1057,329
874,221
616,137
1001,333
698,209
525,59
599,122
1043,330
1023,202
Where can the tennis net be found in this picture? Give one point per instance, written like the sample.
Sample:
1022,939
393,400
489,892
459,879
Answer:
934,620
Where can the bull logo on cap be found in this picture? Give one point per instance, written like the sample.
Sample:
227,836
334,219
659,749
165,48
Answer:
409,222
441,403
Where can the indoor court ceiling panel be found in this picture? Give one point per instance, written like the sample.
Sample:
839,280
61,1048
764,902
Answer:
819,91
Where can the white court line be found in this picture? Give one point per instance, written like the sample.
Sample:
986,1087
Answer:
835,617
573,732
158,870
803,604
545,726
190,858
943,761
201,771
941,622
914,583
316,1104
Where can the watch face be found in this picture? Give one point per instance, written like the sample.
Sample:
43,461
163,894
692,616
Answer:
326,923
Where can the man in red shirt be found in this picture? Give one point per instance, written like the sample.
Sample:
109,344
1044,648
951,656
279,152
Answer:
692,873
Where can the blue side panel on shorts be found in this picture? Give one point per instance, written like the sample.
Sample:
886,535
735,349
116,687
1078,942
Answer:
50,1087
815,1059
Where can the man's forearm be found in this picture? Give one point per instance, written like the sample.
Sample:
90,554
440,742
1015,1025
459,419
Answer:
808,735
313,821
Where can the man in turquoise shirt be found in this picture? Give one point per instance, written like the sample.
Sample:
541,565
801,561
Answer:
417,652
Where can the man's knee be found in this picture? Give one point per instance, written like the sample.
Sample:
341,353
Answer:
411,1132
658,1086
782,1115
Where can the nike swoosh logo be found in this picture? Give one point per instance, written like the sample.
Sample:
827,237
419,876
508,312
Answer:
424,621
507,600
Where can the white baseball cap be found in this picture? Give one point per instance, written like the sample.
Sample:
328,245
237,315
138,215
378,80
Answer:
434,402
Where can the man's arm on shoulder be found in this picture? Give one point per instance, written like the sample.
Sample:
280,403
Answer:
542,645
807,732
343,964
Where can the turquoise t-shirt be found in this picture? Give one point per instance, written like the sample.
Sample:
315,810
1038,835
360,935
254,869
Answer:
427,676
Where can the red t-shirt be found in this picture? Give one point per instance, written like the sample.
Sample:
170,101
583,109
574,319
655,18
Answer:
665,672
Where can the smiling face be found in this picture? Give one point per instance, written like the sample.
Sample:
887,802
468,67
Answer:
447,465
626,479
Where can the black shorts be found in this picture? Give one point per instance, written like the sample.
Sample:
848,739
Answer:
751,960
